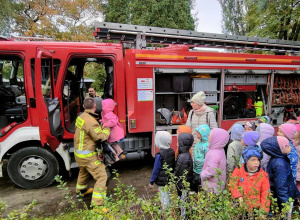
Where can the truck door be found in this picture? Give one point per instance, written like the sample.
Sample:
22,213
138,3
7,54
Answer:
49,108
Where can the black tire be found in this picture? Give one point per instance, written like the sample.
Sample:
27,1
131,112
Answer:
33,167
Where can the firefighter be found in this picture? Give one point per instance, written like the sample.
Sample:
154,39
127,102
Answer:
88,134
92,93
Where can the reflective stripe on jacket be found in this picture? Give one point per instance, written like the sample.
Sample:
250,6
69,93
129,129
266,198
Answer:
87,132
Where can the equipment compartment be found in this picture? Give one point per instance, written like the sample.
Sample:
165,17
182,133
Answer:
205,84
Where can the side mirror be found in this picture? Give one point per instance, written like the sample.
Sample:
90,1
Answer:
1,65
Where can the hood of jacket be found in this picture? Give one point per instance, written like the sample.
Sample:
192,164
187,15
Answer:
265,131
108,105
271,147
237,131
204,130
218,138
185,142
163,140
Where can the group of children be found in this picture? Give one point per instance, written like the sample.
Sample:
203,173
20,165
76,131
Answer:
257,162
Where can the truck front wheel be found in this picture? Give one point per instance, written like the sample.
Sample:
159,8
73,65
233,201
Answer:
32,167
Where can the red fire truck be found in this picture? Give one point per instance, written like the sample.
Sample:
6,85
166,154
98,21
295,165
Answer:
42,90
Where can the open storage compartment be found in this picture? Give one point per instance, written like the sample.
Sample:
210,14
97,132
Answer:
285,97
174,89
245,94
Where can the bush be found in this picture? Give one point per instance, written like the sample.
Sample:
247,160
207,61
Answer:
125,203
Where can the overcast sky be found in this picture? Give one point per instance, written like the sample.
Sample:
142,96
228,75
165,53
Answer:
209,16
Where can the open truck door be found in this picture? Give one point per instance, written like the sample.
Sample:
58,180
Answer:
49,108
35,166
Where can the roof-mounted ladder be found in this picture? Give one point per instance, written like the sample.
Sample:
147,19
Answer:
140,35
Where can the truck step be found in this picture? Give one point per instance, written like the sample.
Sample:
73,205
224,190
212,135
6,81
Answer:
74,165
71,149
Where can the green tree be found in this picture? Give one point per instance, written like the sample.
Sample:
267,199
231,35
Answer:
278,19
158,13
97,72
233,13
7,11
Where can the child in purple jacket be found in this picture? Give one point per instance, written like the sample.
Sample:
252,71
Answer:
215,159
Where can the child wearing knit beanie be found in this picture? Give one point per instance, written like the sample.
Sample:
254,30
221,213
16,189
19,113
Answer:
183,129
250,183
250,138
265,131
264,119
289,131
250,126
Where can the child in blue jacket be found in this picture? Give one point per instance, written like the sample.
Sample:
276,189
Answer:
199,154
282,183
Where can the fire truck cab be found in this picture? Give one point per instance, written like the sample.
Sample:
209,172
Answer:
42,91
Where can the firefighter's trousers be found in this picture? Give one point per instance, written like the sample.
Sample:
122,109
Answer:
92,166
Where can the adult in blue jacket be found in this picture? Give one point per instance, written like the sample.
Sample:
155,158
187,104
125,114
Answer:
279,170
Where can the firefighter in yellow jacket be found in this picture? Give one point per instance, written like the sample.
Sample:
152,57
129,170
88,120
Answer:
88,134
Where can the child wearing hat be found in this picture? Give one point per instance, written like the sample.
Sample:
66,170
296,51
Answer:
199,154
265,131
281,179
250,126
235,148
182,129
249,139
289,131
264,119
249,183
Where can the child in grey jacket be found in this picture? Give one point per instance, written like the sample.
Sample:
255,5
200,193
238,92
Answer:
235,148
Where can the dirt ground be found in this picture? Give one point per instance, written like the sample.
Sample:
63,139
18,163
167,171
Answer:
50,200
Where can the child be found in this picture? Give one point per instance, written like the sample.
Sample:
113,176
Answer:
215,158
182,129
184,160
250,126
250,138
184,163
263,119
166,155
250,183
109,119
199,154
279,170
235,148
289,131
297,146
265,131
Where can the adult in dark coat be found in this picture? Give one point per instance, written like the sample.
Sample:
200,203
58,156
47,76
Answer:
279,170
184,160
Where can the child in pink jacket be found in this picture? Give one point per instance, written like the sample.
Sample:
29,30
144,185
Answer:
109,119
215,158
